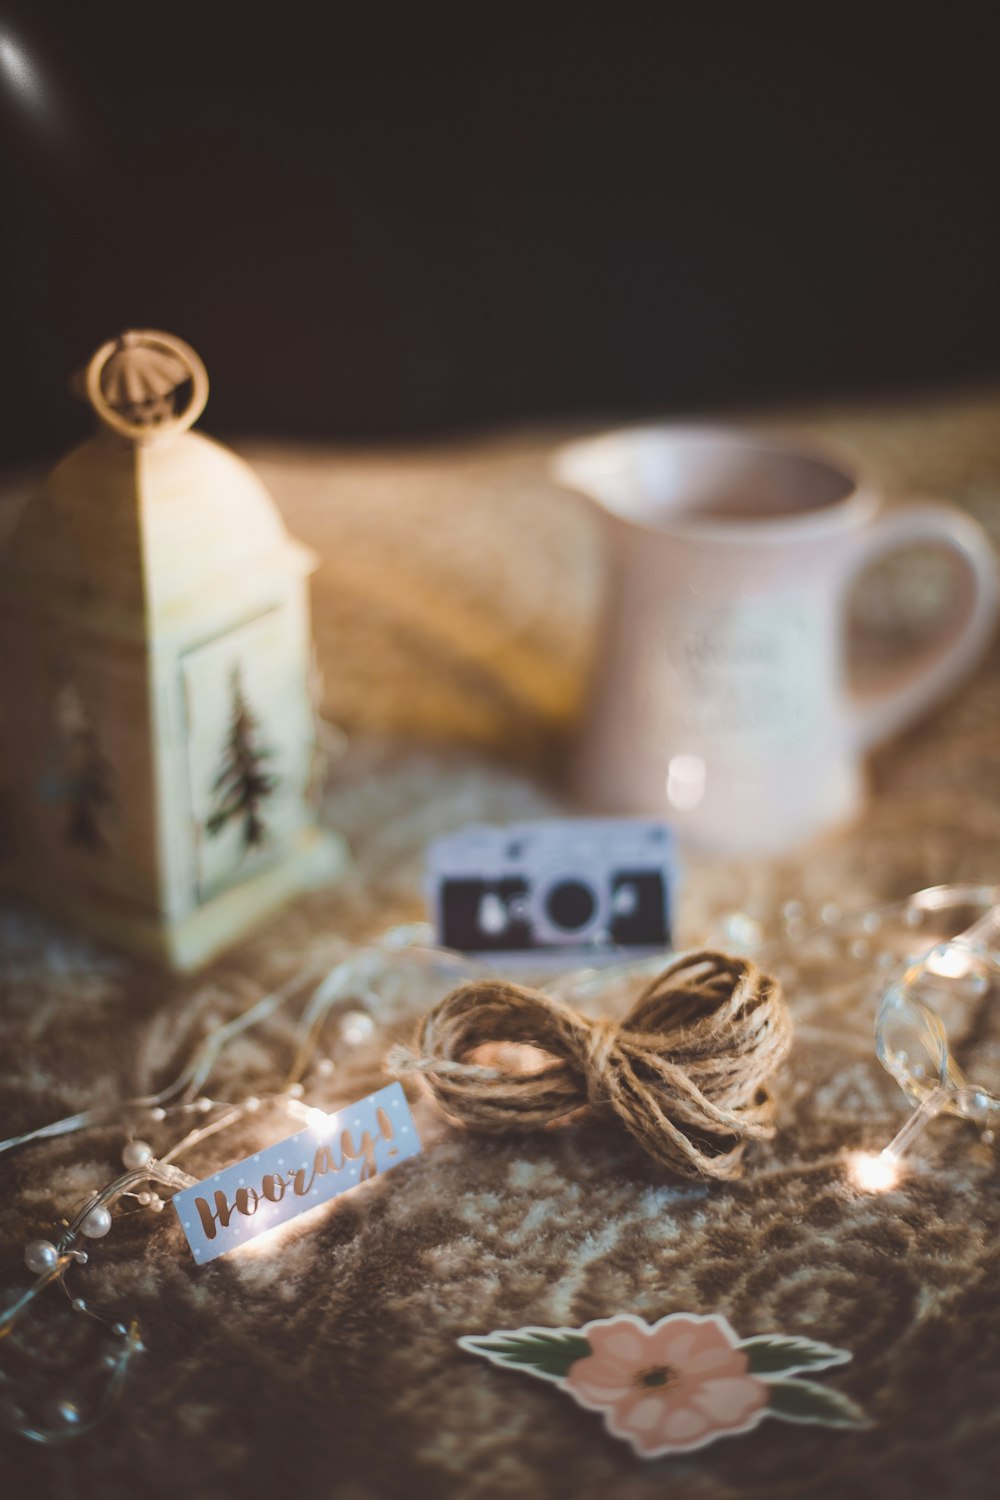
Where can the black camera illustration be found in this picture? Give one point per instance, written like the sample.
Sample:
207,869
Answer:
564,883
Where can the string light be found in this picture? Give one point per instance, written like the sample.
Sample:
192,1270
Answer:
909,1027
350,987
874,1171
349,980
877,1172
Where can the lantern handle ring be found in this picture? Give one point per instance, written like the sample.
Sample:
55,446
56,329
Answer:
131,382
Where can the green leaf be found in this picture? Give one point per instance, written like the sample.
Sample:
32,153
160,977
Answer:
547,1352
776,1354
801,1401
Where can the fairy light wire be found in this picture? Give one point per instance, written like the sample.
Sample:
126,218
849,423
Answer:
354,977
951,1093
189,1081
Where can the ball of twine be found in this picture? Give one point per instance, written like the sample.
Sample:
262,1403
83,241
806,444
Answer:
685,1072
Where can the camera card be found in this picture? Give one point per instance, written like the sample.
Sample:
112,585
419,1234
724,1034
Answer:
572,889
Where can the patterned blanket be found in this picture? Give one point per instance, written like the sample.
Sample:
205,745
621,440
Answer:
329,1367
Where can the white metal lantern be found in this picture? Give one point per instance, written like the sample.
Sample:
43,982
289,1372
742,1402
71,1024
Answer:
158,733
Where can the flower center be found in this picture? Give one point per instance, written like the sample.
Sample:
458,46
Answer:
655,1377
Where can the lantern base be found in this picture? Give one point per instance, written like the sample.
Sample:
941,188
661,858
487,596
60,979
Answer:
315,859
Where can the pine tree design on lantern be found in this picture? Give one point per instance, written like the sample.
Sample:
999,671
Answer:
84,780
244,782
92,796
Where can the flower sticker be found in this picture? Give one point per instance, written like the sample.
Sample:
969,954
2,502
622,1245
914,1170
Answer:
680,1383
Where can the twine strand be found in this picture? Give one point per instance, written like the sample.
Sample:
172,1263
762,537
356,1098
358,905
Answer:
685,1072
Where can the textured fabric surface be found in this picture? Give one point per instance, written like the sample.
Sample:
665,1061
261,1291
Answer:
329,1368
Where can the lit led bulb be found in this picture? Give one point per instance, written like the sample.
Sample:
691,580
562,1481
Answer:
945,989
874,1171
320,1123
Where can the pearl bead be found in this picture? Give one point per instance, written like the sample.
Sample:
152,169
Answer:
79,1305
41,1256
67,1412
97,1223
137,1154
356,1027
157,1113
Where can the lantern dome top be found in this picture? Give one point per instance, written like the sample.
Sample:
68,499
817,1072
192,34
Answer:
167,535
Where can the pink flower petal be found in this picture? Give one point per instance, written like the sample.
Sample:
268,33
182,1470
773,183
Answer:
685,1425
620,1340
644,1415
601,1382
717,1362
680,1345
680,1339
729,1401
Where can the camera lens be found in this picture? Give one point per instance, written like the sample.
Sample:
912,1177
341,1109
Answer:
570,905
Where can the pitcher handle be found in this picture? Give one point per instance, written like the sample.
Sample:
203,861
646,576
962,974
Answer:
964,634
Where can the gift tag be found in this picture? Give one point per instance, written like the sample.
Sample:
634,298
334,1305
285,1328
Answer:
333,1154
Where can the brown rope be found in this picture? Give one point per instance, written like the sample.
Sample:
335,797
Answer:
685,1071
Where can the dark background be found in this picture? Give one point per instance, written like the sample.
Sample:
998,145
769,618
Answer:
380,221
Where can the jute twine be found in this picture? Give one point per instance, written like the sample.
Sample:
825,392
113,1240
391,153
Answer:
686,1070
